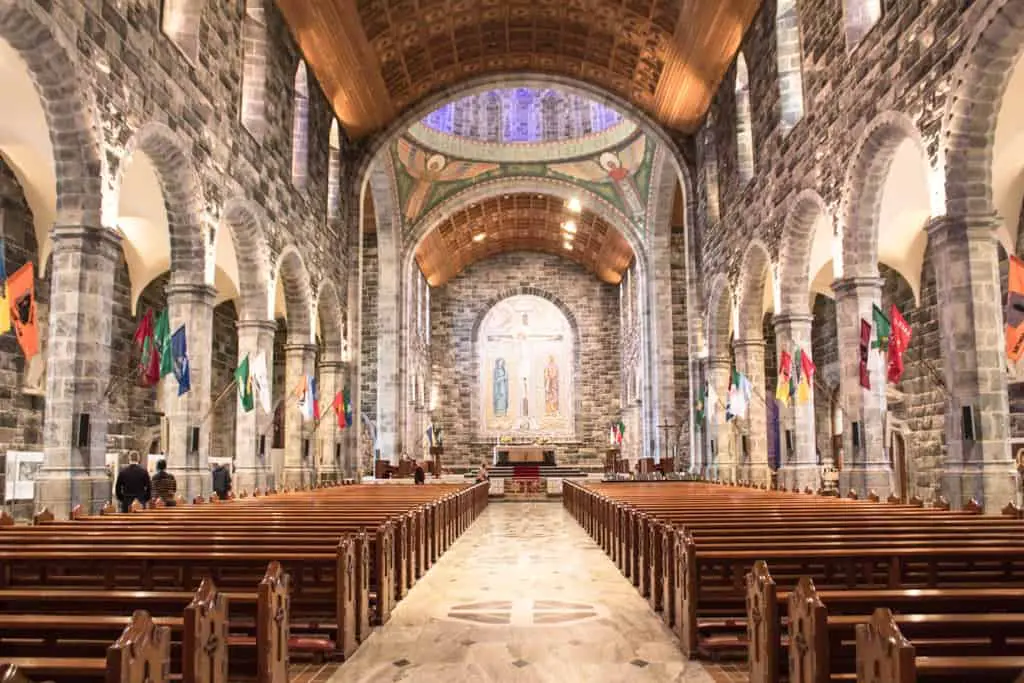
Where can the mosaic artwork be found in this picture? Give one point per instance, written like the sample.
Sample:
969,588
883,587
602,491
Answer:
523,612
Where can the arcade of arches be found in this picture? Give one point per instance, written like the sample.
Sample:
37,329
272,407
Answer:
489,226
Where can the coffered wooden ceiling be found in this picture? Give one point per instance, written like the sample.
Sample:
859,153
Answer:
521,222
376,58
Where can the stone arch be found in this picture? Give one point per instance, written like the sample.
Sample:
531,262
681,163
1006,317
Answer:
719,315
183,200
979,83
290,271
244,222
331,319
865,179
254,69
798,234
179,20
755,269
524,290
744,124
71,115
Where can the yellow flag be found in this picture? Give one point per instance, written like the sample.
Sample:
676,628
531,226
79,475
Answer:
5,310
782,393
803,392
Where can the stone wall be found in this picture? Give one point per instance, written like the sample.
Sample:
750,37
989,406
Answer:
368,349
458,305
680,338
225,360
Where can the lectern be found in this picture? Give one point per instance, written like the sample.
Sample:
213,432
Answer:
436,452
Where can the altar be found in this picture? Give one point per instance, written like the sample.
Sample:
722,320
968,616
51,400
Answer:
523,455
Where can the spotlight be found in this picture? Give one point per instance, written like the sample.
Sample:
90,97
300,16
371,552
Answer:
569,227
574,205
480,237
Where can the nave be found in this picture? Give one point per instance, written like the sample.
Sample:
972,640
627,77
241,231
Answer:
524,595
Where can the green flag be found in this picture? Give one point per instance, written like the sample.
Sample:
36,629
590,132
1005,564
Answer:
699,408
244,381
162,335
882,329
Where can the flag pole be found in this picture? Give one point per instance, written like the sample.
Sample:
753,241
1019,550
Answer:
216,401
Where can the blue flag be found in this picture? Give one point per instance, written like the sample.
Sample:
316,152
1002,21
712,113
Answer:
179,351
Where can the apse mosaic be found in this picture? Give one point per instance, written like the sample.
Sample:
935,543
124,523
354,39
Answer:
621,175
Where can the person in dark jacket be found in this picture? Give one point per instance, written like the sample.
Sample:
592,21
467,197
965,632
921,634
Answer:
132,483
222,481
418,475
164,484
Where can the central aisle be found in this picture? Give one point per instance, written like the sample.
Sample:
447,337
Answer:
525,595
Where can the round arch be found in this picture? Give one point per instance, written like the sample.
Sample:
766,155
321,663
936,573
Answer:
291,273
755,269
528,291
864,185
719,316
182,194
799,247
330,318
242,219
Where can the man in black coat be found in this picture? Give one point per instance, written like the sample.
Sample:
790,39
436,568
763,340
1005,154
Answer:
132,483
222,481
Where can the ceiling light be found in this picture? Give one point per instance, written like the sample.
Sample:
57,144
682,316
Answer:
480,237
569,227
567,246
574,205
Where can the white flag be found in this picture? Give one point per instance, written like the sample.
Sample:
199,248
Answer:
260,383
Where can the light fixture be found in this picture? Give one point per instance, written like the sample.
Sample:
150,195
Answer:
574,205
480,237
569,227
567,246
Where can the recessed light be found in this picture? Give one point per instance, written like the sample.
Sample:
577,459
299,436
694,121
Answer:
574,205
480,237
569,227
567,246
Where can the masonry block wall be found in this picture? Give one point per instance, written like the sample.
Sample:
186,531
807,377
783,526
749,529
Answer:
680,338
225,360
368,350
459,304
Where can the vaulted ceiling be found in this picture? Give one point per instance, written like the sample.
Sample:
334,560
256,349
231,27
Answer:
377,58
521,222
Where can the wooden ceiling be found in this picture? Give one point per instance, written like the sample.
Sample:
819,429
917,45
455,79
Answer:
521,222
377,58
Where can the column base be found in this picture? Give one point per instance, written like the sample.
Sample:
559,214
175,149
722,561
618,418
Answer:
865,479
758,474
298,477
728,472
993,487
799,477
60,490
251,478
192,482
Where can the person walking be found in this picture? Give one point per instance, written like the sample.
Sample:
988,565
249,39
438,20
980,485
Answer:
164,484
132,483
222,481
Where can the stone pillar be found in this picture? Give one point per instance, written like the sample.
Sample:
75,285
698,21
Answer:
797,469
753,466
252,469
331,378
867,467
82,267
191,305
974,353
299,360
722,461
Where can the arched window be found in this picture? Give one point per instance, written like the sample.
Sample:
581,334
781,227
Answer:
709,150
744,134
859,17
179,20
789,54
254,69
334,173
300,128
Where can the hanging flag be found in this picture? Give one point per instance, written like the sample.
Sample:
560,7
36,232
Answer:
782,384
710,402
611,435
739,395
179,352
898,344
243,378
149,359
339,413
21,300
348,415
5,308
162,335
260,383
882,330
314,391
806,377
1014,313
865,344
621,429
701,406
308,403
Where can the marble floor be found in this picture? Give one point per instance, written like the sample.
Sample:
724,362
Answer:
523,596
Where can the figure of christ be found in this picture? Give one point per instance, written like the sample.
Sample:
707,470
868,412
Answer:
522,338
551,387
499,388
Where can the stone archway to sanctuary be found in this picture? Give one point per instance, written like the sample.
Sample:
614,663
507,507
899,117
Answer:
526,377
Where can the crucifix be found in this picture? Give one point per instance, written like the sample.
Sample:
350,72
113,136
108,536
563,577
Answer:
522,337
667,427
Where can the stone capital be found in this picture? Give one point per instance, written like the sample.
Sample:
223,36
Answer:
332,365
300,348
748,344
953,229
258,325
852,286
70,237
198,293
719,362
792,319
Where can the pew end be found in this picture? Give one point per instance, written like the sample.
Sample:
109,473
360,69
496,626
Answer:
6,519
973,507
762,625
852,494
10,674
44,516
142,653
874,497
942,504
1011,510
808,632
894,499
272,610
108,508
883,654
136,506
205,644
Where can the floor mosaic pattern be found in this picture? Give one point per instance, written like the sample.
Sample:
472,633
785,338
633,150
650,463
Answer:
524,596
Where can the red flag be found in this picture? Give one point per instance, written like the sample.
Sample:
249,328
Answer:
149,359
339,409
785,368
21,297
1014,313
145,329
807,367
898,343
865,344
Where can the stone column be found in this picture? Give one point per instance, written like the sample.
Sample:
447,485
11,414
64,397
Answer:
331,377
867,467
82,267
753,465
971,323
797,469
191,305
299,360
722,462
252,469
